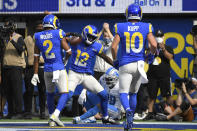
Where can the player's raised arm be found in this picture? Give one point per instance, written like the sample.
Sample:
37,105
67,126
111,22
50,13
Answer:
114,47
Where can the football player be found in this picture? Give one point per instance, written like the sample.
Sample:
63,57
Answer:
110,82
132,36
50,42
81,67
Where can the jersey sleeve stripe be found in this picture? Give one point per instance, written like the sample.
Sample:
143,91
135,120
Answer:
115,27
150,28
60,33
101,50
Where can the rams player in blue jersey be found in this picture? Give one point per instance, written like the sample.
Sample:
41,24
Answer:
81,67
50,42
132,36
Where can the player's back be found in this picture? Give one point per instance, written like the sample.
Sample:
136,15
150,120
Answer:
49,43
132,40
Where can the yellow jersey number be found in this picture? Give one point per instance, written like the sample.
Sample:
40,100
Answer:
48,54
130,42
82,62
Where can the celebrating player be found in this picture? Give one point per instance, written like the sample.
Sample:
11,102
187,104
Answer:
50,42
132,36
81,67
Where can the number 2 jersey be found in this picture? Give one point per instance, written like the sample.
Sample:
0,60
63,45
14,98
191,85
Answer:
132,41
83,57
49,43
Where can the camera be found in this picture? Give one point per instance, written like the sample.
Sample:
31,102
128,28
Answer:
7,30
188,83
194,30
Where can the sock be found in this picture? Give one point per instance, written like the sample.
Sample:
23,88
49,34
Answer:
62,101
125,101
91,112
50,102
132,101
70,94
104,102
56,112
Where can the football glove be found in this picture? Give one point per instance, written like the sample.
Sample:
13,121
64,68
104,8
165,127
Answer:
82,97
35,79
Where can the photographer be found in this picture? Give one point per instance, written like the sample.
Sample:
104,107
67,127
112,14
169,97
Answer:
186,103
13,65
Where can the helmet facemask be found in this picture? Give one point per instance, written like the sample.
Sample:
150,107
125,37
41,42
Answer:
111,81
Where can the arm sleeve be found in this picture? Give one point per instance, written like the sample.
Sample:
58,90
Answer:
62,34
99,48
19,45
151,29
116,29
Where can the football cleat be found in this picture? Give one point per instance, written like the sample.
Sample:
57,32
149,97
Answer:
51,123
56,120
76,120
90,34
109,120
133,12
89,120
51,21
129,119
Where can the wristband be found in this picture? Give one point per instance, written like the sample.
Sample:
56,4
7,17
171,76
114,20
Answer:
36,54
68,50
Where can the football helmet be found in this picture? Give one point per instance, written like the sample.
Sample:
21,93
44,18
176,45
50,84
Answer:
111,77
51,21
133,12
90,34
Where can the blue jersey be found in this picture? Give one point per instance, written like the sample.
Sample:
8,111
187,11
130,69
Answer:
132,41
49,43
83,57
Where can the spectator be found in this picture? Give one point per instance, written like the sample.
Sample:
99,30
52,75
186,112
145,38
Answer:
13,65
100,65
186,103
29,71
159,73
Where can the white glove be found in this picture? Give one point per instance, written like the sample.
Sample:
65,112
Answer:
82,97
35,79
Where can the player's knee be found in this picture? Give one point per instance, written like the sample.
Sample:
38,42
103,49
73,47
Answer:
103,95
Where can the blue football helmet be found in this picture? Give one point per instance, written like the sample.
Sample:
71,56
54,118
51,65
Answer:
51,21
133,12
111,77
90,34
